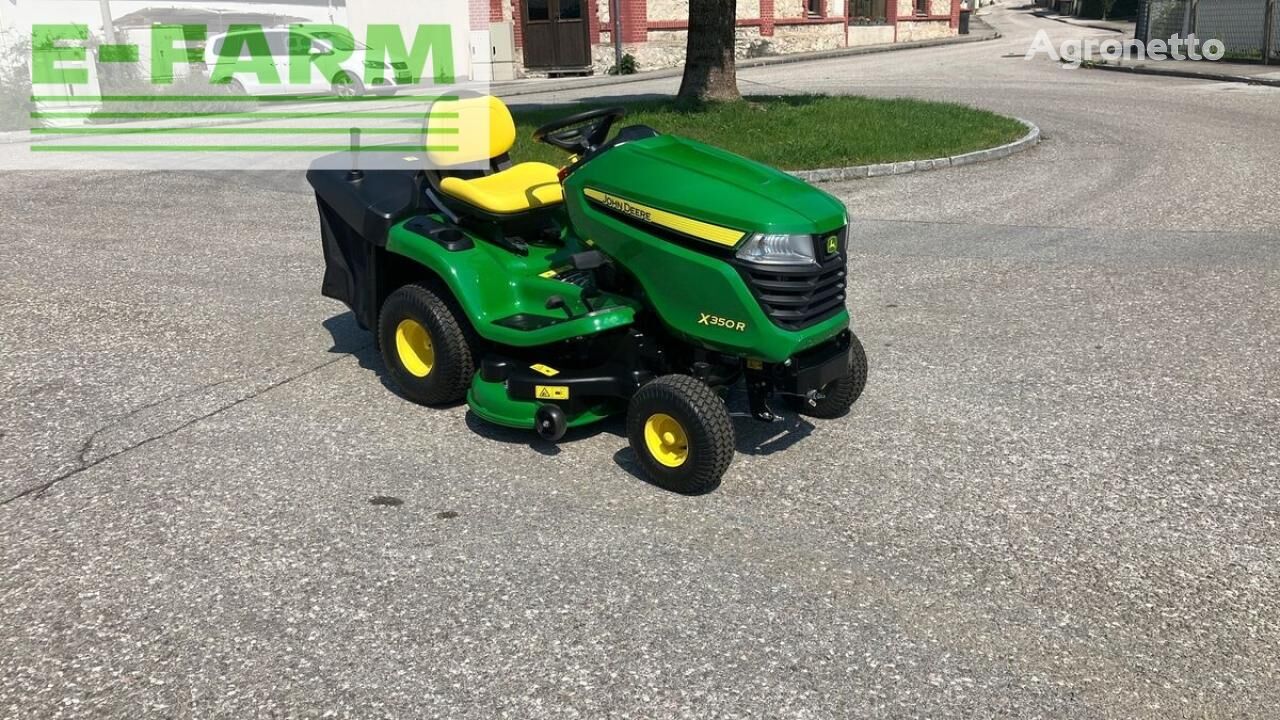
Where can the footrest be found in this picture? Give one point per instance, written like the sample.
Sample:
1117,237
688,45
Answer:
541,382
528,321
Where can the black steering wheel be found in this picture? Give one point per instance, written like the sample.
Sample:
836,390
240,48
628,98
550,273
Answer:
581,133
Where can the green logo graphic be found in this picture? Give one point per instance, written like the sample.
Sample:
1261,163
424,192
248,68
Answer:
281,95
59,53
833,245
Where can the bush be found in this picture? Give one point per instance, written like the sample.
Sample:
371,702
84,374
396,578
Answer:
628,66
15,86
1119,9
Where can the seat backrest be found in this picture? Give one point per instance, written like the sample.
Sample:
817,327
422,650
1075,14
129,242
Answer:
485,130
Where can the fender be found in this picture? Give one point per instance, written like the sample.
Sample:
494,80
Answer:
493,285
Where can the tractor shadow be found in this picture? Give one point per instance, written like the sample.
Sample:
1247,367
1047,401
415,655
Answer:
514,436
351,339
348,337
626,459
762,438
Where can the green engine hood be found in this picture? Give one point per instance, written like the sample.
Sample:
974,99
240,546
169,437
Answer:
698,181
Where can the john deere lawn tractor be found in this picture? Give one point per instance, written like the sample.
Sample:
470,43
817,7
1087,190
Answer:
648,276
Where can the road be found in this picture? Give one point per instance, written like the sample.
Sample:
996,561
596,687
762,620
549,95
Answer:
1057,498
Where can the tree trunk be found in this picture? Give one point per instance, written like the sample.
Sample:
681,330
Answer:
709,72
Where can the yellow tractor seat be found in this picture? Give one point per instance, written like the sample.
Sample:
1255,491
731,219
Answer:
483,132
519,188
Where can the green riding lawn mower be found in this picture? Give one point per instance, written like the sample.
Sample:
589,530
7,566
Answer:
647,276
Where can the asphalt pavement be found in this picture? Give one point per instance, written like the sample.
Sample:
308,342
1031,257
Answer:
1057,498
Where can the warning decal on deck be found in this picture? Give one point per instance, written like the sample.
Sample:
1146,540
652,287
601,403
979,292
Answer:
552,392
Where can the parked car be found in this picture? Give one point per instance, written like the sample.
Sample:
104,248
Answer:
288,46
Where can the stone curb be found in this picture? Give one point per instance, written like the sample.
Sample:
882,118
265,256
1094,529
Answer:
1076,23
1188,74
859,172
537,87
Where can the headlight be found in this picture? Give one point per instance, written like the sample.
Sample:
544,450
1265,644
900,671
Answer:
375,65
778,250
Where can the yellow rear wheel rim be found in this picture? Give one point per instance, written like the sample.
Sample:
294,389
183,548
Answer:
413,347
666,440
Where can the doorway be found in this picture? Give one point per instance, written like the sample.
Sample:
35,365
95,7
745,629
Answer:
556,34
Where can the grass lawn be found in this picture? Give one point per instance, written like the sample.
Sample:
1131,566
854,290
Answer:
803,131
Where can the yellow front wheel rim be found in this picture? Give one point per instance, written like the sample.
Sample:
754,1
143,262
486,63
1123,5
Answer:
413,347
666,440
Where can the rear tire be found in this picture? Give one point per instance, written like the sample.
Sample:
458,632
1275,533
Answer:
681,432
840,395
426,346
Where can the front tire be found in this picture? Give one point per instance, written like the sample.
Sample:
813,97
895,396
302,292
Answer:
347,85
681,432
841,394
425,346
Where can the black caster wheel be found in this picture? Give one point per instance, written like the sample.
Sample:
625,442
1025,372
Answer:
550,423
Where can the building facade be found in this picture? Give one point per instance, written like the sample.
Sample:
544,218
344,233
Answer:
576,35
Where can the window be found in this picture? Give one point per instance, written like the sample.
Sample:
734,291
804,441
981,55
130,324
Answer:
336,41
815,8
539,9
922,7
867,12
570,9
300,45
278,44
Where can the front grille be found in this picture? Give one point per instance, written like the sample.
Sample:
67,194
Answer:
797,296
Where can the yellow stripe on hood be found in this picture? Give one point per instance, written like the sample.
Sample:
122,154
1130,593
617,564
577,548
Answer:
687,226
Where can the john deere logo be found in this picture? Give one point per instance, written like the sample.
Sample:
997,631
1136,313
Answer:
833,245
619,205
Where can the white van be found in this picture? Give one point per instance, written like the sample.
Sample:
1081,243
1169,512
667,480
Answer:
286,46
